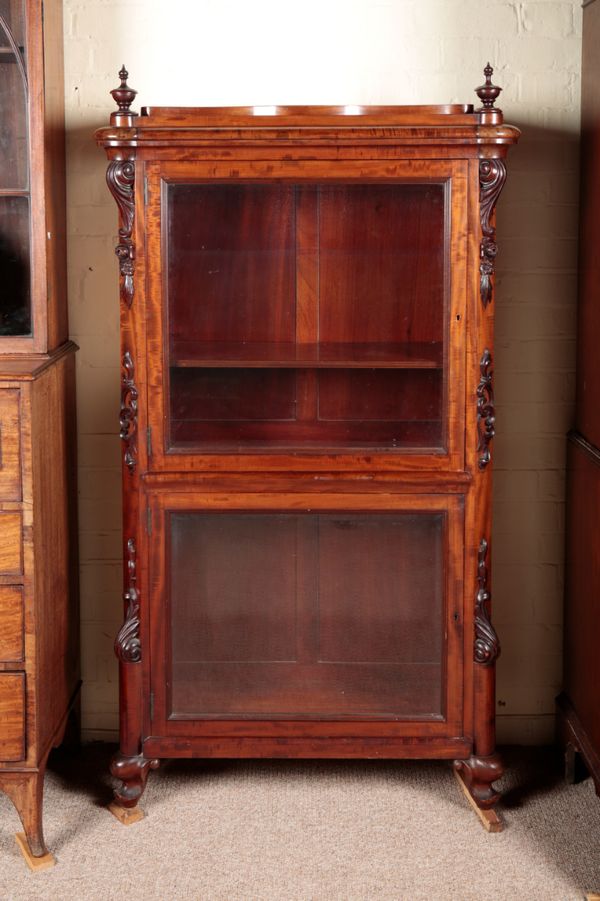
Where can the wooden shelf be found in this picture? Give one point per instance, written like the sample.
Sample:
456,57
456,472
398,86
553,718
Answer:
7,54
191,354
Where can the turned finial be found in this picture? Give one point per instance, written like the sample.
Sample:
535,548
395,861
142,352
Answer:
123,97
488,92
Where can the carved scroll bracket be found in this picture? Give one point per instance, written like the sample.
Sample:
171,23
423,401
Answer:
492,176
132,774
486,412
129,410
127,644
120,178
487,646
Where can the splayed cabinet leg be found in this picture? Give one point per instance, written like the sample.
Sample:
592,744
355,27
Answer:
26,792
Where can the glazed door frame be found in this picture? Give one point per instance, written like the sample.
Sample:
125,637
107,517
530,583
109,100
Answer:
452,173
457,618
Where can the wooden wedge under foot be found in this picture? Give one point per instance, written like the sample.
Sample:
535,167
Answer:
489,818
127,816
34,863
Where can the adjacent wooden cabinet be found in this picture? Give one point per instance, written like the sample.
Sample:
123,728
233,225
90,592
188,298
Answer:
307,420
579,703
39,623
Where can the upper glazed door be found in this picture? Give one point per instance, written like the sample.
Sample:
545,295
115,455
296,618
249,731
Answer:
298,315
15,263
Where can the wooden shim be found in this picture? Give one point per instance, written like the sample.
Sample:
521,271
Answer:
34,863
125,815
489,818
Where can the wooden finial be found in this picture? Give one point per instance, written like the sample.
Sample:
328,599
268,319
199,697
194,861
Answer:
123,97
488,92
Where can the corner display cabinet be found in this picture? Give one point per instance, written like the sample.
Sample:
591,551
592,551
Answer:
39,620
307,420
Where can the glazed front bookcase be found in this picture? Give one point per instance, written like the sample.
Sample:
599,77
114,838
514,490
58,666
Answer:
39,617
307,421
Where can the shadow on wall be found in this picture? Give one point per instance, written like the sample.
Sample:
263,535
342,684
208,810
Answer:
94,325
534,384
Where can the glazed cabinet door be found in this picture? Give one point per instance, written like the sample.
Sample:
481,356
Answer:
302,317
325,610
15,226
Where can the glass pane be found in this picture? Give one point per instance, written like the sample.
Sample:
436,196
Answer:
381,264
13,13
279,408
13,101
15,305
307,316
231,264
306,615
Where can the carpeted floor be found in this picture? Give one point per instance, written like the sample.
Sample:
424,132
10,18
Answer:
306,831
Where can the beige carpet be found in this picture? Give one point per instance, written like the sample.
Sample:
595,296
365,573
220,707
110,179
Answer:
309,830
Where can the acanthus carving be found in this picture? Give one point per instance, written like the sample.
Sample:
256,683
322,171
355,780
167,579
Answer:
492,175
486,411
120,178
129,411
128,647
487,646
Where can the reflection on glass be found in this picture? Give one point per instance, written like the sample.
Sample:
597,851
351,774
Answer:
15,305
13,100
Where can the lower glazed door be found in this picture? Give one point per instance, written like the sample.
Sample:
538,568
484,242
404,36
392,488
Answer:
306,615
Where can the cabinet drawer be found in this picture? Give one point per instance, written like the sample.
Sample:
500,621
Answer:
12,716
10,465
11,558
11,624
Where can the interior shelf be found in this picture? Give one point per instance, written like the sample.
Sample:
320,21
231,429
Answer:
7,54
242,354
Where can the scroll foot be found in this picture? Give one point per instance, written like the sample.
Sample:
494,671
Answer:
476,776
132,775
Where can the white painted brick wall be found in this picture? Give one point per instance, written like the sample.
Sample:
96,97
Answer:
353,51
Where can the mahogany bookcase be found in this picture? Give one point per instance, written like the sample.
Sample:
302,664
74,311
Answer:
39,599
307,419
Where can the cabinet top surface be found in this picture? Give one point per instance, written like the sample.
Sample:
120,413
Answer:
445,123
169,125
296,116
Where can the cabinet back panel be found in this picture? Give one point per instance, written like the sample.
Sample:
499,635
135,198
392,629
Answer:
381,263
385,408
306,614
231,266
15,312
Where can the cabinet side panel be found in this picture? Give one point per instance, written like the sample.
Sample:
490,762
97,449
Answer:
54,174
56,607
588,329
582,610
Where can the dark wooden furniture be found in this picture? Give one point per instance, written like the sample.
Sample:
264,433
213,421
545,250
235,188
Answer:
579,703
39,624
307,417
